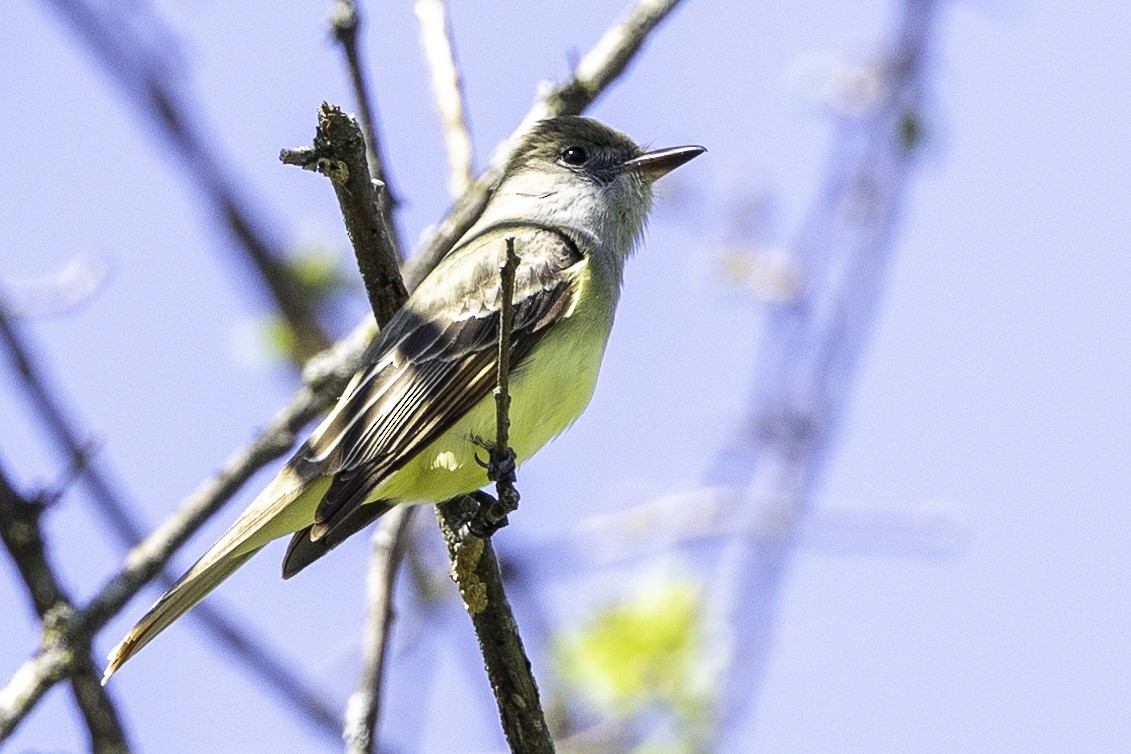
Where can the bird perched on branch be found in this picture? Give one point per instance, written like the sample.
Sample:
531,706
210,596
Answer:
574,198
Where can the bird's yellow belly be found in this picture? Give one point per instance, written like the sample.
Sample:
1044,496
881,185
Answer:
549,390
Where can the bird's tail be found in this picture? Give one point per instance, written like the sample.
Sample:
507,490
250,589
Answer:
285,506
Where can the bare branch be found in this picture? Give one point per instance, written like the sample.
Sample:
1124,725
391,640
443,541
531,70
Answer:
339,154
363,708
346,24
599,68
447,90
22,536
146,560
112,503
503,368
475,570
493,515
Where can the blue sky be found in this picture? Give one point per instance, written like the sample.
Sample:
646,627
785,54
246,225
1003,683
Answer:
995,389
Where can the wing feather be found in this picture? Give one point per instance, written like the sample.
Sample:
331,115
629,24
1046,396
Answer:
435,361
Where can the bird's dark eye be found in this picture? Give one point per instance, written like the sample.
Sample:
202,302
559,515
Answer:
574,156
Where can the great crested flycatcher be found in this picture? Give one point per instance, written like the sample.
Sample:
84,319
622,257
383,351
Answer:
574,197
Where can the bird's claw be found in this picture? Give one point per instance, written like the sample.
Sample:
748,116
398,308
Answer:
501,467
489,518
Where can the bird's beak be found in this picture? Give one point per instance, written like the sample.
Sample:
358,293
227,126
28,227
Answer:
653,165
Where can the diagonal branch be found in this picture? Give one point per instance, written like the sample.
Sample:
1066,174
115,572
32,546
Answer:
326,378
23,538
475,569
114,505
126,49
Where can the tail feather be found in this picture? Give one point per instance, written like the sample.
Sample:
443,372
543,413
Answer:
304,549
285,506
189,590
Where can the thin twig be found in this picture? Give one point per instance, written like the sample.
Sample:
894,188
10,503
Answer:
596,71
114,505
339,154
492,515
326,377
127,50
345,22
447,91
503,368
476,570
363,708
22,536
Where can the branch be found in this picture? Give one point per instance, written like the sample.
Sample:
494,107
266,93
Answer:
23,538
475,568
447,90
339,154
493,515
127,50
326,377
346,23
115,507
599,68
505,487
363,708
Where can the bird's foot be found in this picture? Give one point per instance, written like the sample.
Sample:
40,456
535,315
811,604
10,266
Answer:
492,513
489,518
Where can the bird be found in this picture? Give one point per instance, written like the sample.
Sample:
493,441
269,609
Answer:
573,199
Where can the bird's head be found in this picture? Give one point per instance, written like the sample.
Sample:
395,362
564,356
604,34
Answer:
578,173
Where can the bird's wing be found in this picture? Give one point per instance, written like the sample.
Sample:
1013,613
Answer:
437,359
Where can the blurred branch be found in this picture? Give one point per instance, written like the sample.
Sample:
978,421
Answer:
711,514
363,708
811,346
58,292
137,59
447,90
23,538
146,560
112,503
599,68
346,24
